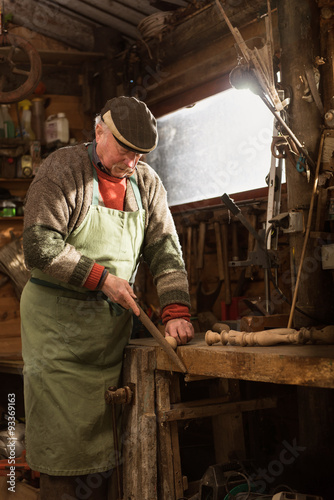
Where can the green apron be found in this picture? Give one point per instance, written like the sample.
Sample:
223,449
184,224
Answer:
72,346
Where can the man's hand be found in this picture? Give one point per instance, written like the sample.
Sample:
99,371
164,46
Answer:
180,329
118,290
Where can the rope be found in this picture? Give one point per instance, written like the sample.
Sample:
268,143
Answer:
154,25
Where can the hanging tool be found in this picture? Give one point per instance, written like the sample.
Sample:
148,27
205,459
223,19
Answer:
161,339
261,256
235,210
202,218
220,260
228,295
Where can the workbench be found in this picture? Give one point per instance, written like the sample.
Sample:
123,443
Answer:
309,365
151,453
150,435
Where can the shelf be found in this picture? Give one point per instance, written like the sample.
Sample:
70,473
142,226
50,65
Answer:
15,141
58,57
16,186
15,217
15,179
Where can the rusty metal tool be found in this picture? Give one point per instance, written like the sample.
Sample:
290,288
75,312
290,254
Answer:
161,340
228,295
220,260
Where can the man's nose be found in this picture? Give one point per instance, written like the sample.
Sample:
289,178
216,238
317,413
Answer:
131,160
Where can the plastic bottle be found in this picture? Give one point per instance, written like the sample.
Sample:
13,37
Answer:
57,129
8,122
26,119
63,128
7,208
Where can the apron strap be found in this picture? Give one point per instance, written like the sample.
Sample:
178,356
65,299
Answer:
117,308
136,192
49,284
37,281
95,200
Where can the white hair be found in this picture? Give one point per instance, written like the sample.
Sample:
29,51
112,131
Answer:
99,121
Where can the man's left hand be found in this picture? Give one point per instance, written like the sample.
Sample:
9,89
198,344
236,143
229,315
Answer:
180,329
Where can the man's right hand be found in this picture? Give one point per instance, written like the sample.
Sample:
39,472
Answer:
118,290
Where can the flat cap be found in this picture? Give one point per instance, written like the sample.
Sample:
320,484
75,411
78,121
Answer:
131,123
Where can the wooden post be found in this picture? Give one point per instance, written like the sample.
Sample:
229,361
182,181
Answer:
165,451
139,436
298,24
169,462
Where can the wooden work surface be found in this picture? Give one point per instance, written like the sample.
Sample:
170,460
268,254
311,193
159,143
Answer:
309,365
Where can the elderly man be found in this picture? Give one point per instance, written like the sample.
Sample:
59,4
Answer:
91,212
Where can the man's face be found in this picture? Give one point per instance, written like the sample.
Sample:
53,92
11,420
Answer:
119,161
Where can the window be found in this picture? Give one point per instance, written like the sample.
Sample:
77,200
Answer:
220,145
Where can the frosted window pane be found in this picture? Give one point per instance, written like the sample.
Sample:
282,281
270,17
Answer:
222,144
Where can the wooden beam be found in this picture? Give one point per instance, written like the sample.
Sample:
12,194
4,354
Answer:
182,412
143,6
50,20
117,9
102,17
205,27
59,57
190,70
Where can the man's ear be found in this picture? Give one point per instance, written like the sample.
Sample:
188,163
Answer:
98,130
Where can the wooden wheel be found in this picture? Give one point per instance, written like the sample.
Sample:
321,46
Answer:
11,62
